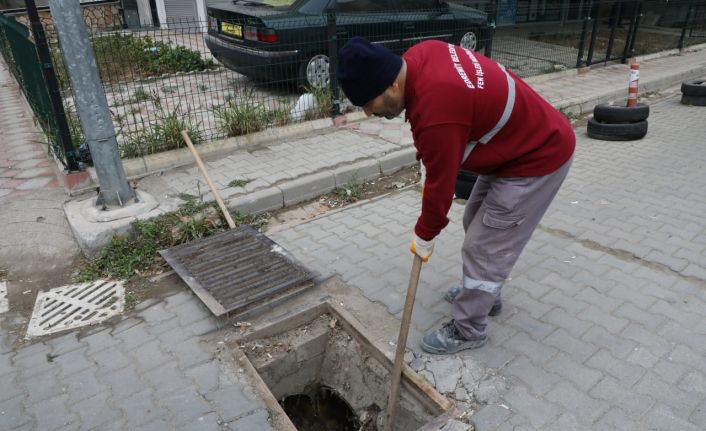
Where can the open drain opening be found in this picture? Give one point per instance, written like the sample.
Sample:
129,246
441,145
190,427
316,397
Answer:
328,377
322,409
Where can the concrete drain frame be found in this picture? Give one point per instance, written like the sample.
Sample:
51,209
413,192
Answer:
326,346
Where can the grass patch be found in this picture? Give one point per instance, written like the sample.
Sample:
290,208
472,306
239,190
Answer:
240,115
349,192
323,103
569,115
126,256
130,301
238,183
164,135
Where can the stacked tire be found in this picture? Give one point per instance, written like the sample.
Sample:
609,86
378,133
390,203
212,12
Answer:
618,123
693,92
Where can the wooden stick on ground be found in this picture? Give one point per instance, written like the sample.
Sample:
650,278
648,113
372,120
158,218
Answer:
402,341
211,186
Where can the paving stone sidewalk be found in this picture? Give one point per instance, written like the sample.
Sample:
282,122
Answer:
24,165
149,372
604,319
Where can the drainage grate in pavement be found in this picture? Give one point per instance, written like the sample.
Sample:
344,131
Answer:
76,305
237,270
4,306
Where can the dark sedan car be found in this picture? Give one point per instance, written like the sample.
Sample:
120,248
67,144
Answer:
286,40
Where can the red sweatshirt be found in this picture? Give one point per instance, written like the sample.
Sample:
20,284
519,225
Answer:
458,100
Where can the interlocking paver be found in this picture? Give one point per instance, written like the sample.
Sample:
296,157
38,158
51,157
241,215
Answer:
232,402
12,414
539,381
123,382
42,386
587,409
139,409
111,358
82,385
97,413
52,414
184,405
580,375
538,411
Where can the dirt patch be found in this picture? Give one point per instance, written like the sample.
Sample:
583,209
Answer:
344,196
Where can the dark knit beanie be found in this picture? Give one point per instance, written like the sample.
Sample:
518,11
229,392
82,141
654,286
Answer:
365,70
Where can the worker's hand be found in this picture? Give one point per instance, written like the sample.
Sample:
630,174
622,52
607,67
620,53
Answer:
422,248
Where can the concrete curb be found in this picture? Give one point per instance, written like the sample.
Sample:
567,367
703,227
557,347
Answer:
314,184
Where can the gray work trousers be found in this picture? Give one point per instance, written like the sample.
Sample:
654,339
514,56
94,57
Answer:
499,219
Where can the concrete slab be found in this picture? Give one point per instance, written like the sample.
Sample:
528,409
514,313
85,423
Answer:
93,228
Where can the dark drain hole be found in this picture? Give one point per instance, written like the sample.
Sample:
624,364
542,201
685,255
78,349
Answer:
322,409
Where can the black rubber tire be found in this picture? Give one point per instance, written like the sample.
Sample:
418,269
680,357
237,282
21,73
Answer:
694,87
465,180
616,132
605,113
693,100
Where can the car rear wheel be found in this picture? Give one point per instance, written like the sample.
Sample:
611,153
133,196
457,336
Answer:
469,41
315,72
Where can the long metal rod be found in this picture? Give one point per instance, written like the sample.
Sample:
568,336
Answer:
633,18
582,42
680,44
402,341
594,32
52,83
213,188
613,27
638,15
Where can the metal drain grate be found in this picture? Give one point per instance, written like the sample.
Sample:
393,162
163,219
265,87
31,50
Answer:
237,270
77,305
4,305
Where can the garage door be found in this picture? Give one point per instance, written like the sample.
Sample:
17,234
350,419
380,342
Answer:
180,12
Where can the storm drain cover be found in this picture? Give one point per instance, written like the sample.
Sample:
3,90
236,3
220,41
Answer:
76,305
3,297
237,270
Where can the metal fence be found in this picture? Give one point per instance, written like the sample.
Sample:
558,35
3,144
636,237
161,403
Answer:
20,54
161,80
235,75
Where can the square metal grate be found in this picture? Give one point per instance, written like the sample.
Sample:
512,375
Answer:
237,270
76,305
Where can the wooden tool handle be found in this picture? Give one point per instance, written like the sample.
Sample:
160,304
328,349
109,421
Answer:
211,186
402,341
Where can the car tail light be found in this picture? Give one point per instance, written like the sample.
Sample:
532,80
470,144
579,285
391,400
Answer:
266,35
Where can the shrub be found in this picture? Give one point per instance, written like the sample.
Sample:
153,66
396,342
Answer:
124,56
